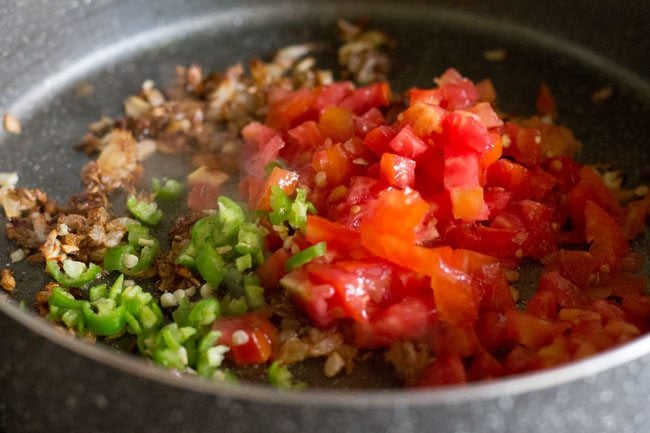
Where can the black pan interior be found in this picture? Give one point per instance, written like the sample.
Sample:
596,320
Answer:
55,114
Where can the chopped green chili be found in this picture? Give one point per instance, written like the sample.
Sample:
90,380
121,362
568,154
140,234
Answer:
145,212
306,255
171,190
79,280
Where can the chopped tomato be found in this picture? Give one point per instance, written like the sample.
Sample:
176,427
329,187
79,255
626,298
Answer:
272,270
250,337
446,369
426,217
336,123
365,98
408,319
407,144
286,109
462,130
397,171
285,179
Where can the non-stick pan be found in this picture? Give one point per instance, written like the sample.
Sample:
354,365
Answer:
54,52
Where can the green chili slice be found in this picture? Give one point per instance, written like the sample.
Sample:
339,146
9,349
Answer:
306,255
146,213
91,272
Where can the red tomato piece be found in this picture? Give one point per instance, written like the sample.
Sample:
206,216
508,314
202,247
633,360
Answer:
446,369
332,94
566,294
424,119
461,169
305,136
424,96
336,123
272,270
407,144
379,138
408,319
577,266
528,330
369,121
397,170
542,305
484,366
287,109
460,339
356,284
458,92
285,179
367,97
607,239
496,199
250,337
511,176
492,332
525,145
564,169
319,301
485,112
337,236
462,130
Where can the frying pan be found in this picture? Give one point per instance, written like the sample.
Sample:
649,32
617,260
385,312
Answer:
50,382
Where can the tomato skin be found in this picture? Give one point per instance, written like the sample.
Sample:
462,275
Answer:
446,369
510,176
335,163
565,292
484,366
305,136
272,270
396,170
491,329
336,123
357,284
465,131
542,305
332,94
260,332
286,109
577,266
458,93
337,236
460,339
486,113
407,144
378,139
607,239
525,145
285,179
408,319
528,330
425,120
364,98
591,188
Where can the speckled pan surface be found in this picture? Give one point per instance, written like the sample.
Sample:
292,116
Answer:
52,383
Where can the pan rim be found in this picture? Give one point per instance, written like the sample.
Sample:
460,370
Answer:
327,397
